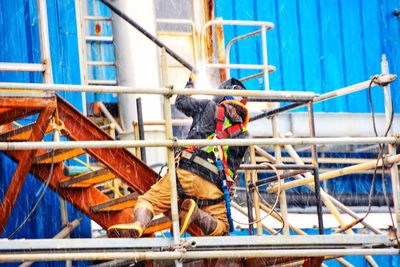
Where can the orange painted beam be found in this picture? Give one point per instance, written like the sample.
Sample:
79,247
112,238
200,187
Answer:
25,163
8,115
82,198
21,102
120,161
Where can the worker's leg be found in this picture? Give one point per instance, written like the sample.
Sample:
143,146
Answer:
211,219
208,222
141,219
156,200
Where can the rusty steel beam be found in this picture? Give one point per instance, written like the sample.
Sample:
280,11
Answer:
8,115
25,163
81,198
26,102
120,161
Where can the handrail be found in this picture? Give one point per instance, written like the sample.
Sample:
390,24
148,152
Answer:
265,26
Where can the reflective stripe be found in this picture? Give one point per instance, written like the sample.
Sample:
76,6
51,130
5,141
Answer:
200,161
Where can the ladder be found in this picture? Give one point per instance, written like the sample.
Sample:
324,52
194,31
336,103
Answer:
95,45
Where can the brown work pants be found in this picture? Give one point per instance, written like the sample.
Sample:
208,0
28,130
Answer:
158,199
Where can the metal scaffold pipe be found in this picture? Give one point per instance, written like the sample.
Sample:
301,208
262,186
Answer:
195,142
174,255
22,67
382,79
333,174
163,91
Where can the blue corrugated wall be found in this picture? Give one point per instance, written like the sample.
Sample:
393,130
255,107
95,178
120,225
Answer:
19,42
319,45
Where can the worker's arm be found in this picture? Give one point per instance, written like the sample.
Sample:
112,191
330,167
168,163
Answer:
189,105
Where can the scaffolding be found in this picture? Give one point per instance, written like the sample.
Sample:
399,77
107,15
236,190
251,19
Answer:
257,246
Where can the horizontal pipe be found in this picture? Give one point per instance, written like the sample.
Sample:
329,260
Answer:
336,173
175,255
241,66
102,82
62,234
269,99
22,67
187,122
305,202
97,18
269,25
194,142
163,91
176,21
274,178
356,87
99,38
276,111
278,167
100,63
333,94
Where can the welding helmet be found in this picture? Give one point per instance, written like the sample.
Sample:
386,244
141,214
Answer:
233,84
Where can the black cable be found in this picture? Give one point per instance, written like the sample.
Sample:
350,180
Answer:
38,201
380,156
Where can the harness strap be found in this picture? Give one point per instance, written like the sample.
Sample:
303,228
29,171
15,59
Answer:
231,131
200,161
220,118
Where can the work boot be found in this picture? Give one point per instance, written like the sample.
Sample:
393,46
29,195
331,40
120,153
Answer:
141,219
191,213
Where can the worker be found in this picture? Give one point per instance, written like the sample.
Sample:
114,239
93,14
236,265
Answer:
200,195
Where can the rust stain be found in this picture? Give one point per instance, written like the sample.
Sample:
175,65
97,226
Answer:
221,51
97,29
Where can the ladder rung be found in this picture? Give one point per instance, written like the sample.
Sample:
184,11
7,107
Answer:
88,179
99,38
97,18
102,82
117,204
59,155
21,133
100,63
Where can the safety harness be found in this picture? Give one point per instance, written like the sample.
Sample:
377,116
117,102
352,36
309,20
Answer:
224,129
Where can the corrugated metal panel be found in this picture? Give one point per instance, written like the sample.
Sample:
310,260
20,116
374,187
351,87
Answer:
20,43
320,45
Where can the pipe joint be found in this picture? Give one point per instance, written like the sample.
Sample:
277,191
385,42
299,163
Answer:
170,92
383,79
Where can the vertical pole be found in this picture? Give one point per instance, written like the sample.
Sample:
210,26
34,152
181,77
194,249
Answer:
44,41
170,152
249,197
282,196
265,56
80,32
139,111
221,51
63,204
394,171
314,157
255,195
136,137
